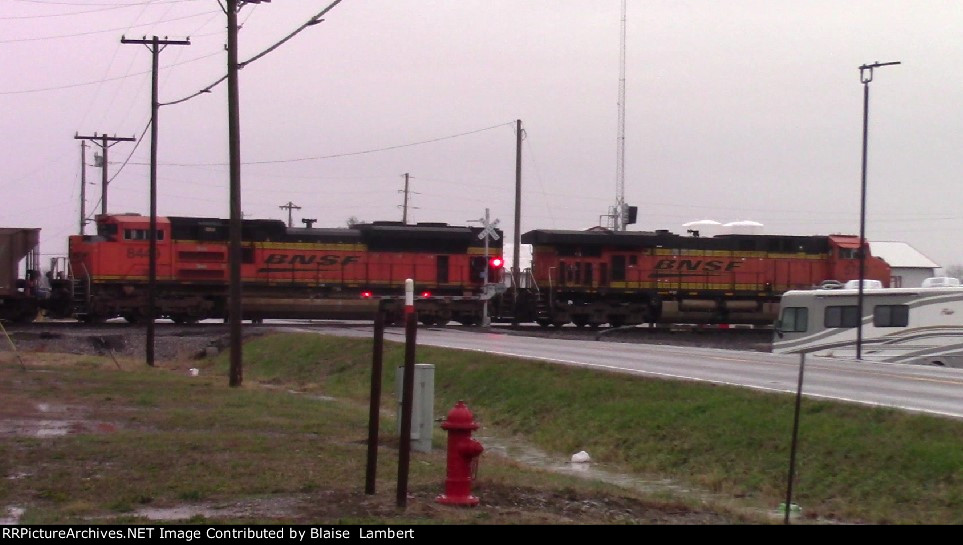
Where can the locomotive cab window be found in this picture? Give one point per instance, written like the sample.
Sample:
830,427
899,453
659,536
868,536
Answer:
141,234
107,230
842,316
891,316
847,253
794,320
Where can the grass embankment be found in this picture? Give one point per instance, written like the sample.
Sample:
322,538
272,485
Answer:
82,441
854,463
183,439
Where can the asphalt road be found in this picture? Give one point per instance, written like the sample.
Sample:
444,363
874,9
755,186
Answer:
931,390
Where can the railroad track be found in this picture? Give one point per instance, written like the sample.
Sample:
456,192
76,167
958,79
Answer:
757,339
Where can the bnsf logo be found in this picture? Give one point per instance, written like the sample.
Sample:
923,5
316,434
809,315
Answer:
684,265
310,259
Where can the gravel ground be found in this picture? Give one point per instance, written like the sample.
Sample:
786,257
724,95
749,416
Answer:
179,342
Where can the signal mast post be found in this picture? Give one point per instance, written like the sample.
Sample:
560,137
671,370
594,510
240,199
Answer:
488,230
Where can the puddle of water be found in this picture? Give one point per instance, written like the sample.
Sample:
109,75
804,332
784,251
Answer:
176,513
13,516
529,455
35,428
261,507
52,428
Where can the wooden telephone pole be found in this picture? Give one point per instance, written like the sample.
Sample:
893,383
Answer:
105,142
154,44
290,206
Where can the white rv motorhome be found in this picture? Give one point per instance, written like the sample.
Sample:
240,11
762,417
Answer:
900,325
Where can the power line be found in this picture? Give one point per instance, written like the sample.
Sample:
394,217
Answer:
312,21
49,2
349,154
65,14
41,38
72,85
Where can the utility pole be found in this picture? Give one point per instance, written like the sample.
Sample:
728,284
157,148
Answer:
290,206
83,186
404,207
231,8
105,143
516,270
155,48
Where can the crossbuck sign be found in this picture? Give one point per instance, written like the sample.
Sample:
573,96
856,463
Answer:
488,228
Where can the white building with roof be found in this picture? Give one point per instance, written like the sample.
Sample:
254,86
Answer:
909,266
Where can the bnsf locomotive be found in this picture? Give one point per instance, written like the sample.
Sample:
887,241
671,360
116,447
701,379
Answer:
286,272
581,277
624,278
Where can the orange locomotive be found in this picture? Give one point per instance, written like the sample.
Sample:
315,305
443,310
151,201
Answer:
622,278
286,272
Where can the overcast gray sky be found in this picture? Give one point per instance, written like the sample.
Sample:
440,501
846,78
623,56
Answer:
735,110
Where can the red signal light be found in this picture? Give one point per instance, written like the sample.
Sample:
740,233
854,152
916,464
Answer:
496,262
426,294
366,295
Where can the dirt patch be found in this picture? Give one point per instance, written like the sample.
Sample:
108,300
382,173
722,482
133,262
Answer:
499,503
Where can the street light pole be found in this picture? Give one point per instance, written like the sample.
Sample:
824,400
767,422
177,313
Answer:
865,76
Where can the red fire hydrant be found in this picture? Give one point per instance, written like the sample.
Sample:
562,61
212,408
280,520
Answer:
463,453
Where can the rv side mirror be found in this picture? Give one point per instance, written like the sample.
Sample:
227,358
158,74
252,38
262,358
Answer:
777,327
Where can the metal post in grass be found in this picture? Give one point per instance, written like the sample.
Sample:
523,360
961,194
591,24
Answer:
795,436
375,407
408,391
15,351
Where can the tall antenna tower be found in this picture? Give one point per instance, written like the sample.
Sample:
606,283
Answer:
618,215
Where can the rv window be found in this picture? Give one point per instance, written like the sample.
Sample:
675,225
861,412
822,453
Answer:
795,320
842,316
891,316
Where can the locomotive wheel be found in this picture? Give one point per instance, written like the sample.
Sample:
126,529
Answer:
27,316
616,321
428,320
183,319
132,317
392,318
543,323
580,321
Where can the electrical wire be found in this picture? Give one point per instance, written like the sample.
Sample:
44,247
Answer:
41,38
334,156
313,20
65,14
124,164
130,75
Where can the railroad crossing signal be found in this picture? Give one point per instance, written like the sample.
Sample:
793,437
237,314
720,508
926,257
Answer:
488,228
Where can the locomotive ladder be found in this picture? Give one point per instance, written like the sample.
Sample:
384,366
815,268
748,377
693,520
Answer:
80,294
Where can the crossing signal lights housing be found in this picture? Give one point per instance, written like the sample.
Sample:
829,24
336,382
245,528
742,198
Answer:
496,262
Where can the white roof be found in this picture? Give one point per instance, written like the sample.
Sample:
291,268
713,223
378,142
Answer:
699,223
901,254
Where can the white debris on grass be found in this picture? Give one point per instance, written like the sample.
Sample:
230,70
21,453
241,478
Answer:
581,457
